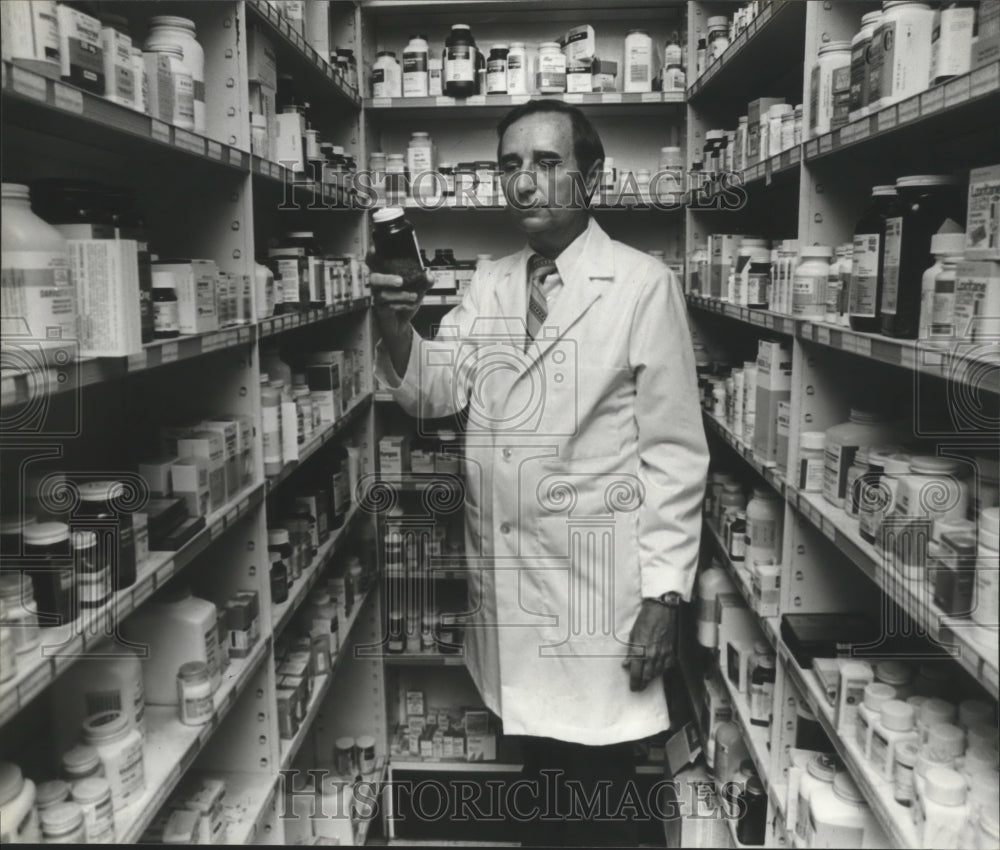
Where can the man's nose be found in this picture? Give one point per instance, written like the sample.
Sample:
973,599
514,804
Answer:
524,184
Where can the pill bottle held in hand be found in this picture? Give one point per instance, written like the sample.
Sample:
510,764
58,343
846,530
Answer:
396,250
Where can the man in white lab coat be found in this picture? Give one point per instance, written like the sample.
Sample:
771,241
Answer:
585,464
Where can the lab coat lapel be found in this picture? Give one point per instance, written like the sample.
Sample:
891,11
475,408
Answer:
510,294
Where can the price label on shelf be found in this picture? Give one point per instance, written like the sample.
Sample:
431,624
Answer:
476,100
144,589
956,91
573,97
209,342
29,84
159,131
518,99
984,80
862,129
381,102
822,335
169,352
651,97
164,573
611,97
214,150
828,528
232,516
863,346
216,529
136,362
909,110
932,101
244,506
886,119
68,98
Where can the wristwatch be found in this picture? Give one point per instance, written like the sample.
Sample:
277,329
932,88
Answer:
672,599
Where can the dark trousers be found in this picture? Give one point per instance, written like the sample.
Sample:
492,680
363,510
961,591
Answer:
571,795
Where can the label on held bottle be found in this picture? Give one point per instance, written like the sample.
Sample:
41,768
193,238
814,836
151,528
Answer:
166,317
864,276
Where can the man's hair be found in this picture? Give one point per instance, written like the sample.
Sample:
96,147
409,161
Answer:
587,147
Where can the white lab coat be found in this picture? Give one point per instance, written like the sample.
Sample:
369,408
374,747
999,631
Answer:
585,464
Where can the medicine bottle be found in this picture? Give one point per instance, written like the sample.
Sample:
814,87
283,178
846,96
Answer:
711,582
460,62
496,69
951,41
903,787
551,75
51,793
63,824
166,316
762,687
987,608
20,613
867,274
120,748
736,537
36,274
945,741
194,693
366,754
106,502
387,77
93,796
344,757
93,570
415,55
435,77
838,815
81,762
718,37
819,773
638,70
750,827
765,514
395,243
937,303
876,695
809,282
877,494
444,272
941,810
517,68
901,53
863,428
47,545
894,726
860,51
830,87
926,202
181,32
347,61
933,711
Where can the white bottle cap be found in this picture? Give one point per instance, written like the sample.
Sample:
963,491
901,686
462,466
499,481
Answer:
945,786
897,715
844,787
946,740
812,439
877,694
934,711
948,244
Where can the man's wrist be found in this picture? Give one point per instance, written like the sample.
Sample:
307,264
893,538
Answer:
671,599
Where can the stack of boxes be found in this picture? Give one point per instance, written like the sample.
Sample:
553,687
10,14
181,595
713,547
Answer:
439,733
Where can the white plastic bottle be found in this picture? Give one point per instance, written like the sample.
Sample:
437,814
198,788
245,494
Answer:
838,815
820,771
765,514
863,428
638,66
30,34
877,694
711,583
120,748
36,290
18,816
942,245
177,628
93,795
893,728
517,68
901,50
416,82
941,811
182,32
809,282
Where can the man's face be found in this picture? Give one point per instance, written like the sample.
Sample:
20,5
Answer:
538,173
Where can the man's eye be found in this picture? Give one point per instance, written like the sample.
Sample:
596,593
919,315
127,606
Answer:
549,163
510,168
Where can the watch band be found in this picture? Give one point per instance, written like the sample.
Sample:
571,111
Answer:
671,599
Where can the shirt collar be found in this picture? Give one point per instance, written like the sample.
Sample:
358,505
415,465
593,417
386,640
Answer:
585,256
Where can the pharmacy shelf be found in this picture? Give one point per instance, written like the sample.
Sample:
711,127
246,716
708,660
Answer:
430,658
170,747
59,109
970,364
975,647
280,324
897,820
27,381
246,805
362,826
321,687
415,482
63,645
495,105
958,108
305,192
432,572
295,55
741,576
777,322
768,471
284,611
778,30
329,432
783,165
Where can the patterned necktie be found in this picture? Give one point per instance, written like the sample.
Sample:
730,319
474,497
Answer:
542,281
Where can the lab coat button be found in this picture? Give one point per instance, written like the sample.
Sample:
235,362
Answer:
506,454
505,528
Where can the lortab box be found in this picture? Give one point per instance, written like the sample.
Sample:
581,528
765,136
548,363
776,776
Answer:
982,230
